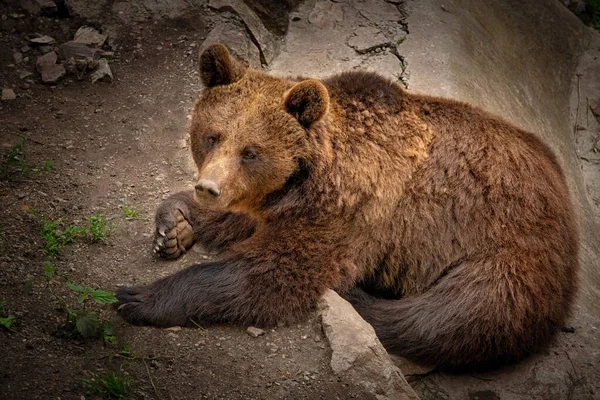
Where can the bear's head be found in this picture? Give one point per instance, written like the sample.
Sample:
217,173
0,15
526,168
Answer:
251,133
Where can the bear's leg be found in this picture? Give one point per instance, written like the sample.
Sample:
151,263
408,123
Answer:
180,222
258,281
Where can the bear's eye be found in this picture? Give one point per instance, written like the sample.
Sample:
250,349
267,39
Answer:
212,140
249,154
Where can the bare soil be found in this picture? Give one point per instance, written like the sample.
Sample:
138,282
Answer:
113,143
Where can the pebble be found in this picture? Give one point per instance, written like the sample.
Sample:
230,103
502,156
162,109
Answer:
18,57
43,40
254,331
8,94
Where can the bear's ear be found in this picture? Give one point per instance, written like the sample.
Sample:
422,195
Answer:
217,67
307,101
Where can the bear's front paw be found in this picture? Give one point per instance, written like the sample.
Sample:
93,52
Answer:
148,305
173,236
135,305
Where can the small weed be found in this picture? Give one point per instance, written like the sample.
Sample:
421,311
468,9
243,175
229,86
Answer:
55,238
401,40
97,228
14,161
82,321
126,350
109,386
56,235
129,212
48,165
6,321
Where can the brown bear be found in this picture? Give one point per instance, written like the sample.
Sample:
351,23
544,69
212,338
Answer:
450,230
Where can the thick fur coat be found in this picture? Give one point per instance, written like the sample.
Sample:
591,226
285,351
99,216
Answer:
450,230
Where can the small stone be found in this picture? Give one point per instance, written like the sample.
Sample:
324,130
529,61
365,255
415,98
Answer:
255,332
8,94
89,36
78,51
182,144
45,49
173,329
24,74
45,61
36,7
103,73
43,40
53,73
25,49
18,57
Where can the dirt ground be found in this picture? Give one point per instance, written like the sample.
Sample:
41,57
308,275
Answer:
115,143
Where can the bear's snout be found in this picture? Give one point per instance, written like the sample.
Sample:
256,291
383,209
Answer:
205,185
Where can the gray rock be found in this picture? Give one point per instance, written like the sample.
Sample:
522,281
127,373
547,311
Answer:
367,38
255,332
25,74
89,36
38,6
236,40
45,49
182,143
77,51
25,49
43,40
325,15
45,61
267,42
357,355
53,73
18,57
88,10
378,11
8,94
103,73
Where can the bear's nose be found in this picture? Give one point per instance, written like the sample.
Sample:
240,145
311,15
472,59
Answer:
210,186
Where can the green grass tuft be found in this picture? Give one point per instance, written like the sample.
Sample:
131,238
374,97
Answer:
109,386
14,161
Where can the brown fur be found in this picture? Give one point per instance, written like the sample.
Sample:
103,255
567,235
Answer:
458,224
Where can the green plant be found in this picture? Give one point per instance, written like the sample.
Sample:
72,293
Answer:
14,161
48,165
83,321
98,228
129,212
6,321
110,385
54,238
56,235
